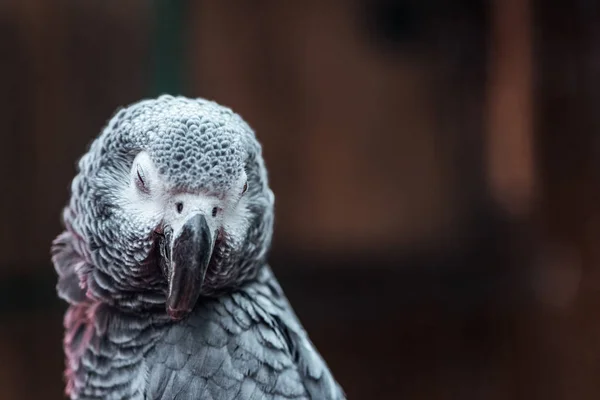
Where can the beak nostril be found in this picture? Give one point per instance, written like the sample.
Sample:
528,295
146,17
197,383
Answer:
179,206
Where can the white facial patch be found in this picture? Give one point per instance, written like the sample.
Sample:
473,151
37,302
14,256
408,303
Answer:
143,196
148,198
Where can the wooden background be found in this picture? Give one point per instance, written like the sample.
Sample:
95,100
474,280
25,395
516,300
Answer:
435,165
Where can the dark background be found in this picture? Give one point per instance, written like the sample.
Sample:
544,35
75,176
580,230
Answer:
435,164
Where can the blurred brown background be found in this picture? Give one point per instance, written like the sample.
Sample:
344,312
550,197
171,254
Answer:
435,165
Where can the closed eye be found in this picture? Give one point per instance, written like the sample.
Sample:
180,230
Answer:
141,181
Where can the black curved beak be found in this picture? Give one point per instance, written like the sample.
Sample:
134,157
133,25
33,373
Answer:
191,250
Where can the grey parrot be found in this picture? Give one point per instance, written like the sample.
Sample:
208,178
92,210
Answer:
163,263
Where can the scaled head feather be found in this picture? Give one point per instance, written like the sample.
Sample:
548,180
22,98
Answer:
170,203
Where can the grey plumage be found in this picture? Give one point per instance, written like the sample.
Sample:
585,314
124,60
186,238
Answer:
129,332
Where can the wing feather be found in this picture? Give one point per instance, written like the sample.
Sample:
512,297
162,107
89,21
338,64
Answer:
247,345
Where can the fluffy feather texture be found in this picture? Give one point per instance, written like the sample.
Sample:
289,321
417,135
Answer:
242,340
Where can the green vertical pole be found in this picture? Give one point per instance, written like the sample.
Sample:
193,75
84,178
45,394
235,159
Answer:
168,47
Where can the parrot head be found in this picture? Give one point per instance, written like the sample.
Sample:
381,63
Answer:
170,203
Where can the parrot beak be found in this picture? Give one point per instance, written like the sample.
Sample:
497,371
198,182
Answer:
191,250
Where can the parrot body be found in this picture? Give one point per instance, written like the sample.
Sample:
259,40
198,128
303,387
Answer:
163,263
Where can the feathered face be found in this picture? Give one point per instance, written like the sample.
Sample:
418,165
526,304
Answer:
171,202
